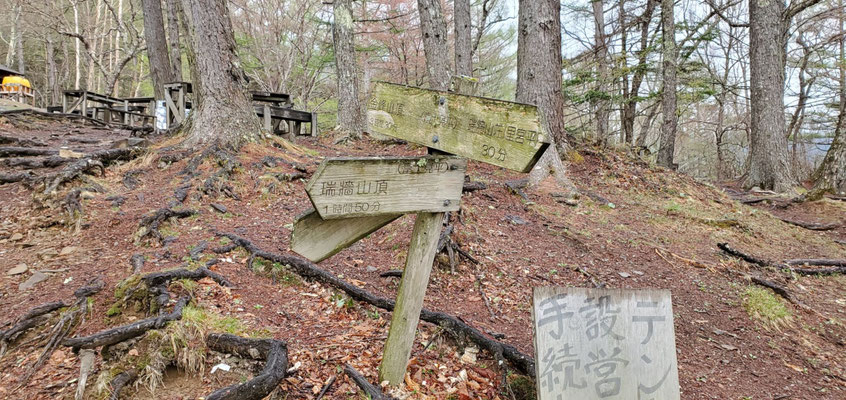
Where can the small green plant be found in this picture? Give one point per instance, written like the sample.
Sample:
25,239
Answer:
763,305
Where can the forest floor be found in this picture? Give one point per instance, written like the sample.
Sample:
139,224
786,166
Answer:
637,226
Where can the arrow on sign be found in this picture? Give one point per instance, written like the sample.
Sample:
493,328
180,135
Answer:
348,187
497,132
317,239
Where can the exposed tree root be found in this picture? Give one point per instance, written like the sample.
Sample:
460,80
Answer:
120,382
149,226
6,139
368,388
326,387
98,159
35,163
31,319
137,263
817,262
16,177
26,152
112,336
472,186
523,362
69,320
838,266
517,187
163,278
813,226
274,351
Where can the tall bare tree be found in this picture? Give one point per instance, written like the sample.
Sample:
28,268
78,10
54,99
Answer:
350,117
223,114
434,31
174,9
161,69
668,93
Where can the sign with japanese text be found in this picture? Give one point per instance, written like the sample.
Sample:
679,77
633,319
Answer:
346,187
496,132
593,344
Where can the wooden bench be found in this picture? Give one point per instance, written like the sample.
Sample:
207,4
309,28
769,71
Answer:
273,117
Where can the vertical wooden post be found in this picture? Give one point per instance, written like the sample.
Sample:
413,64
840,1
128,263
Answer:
415,278
314,124
65,103
268,124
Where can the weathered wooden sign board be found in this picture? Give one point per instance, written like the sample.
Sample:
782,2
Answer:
497,132
317,239
604,344
357,187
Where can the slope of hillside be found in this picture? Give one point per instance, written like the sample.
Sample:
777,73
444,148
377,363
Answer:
634,226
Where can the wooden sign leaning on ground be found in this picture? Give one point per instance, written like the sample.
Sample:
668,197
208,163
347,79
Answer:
497,132
348,187
595,344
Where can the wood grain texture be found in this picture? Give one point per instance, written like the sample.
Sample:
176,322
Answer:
604,344
317,239
415,278
365,186
497,132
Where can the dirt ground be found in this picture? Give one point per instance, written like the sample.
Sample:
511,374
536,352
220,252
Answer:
635,226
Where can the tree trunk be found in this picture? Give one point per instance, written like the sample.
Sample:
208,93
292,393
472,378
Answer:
630,103
769,163
539,80
434,31
831,174
668,93
350,117
463,45
14,33
601,58
173,12
154,34
222,112
53,89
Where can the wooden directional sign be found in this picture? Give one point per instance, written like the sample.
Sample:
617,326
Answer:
317,239
348,187
593,344
497,132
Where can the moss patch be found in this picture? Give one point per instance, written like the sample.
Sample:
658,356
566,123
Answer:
763,305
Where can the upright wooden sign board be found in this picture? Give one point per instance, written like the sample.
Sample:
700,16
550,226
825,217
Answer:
497,132
598,344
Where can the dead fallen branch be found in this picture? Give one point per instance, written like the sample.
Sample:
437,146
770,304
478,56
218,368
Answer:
98,159
368,388
837,266
812,225
517,187
472,186
274,351
523,362
112,336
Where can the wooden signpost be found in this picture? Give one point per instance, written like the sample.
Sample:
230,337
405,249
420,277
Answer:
496,132
357,187
354,197
593,344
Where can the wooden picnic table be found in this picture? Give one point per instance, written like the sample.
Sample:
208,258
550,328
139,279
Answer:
110,109
272,98
83,97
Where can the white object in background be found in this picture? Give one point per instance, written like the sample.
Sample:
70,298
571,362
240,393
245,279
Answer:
221,366
161,115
